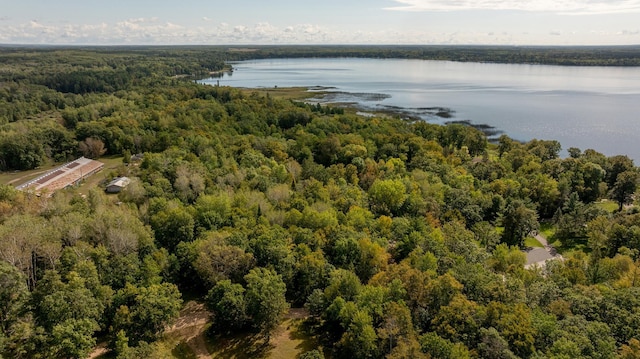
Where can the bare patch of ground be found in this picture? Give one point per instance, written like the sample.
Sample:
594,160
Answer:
297,313
191,327
99,351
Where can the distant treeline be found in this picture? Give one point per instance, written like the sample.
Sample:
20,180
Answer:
203,59
573,56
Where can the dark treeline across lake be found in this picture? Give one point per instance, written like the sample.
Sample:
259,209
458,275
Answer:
584,107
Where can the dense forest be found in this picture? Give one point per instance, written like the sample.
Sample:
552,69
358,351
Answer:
400,238
549,55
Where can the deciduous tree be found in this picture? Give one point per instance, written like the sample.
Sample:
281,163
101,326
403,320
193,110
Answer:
226,301
518,221
624,187
265,299
92,147
387,196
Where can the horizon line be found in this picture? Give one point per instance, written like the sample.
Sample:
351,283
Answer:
309,45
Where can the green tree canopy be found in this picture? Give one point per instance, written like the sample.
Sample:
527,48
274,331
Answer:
265,299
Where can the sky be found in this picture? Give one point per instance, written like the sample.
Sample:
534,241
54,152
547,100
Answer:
253,22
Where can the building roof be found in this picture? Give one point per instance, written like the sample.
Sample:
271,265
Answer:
120,182
66,175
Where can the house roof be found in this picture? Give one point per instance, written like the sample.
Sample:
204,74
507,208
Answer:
120,182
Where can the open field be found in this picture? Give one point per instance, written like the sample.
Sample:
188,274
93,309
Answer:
16,178
20,177
287,93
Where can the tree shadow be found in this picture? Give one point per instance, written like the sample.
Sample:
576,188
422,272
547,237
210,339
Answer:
303,330
242,345
183,351
572,244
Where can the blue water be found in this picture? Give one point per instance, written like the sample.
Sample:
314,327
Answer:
584,107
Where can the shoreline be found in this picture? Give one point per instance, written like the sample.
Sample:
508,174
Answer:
432,114
318,95
525,104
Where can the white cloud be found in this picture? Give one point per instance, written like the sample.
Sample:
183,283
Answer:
563,7
154,31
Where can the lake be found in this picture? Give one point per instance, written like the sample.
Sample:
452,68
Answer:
584,107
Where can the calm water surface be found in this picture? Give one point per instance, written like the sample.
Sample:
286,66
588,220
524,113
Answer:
584,107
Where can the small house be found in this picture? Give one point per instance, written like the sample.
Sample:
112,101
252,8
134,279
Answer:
117,184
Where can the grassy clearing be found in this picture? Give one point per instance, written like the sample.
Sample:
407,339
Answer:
571,244
172,347
532,242
240,346
19,177
290,340
286,93
548,231
609,206
563,246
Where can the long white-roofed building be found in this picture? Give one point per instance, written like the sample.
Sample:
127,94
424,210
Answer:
67,175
